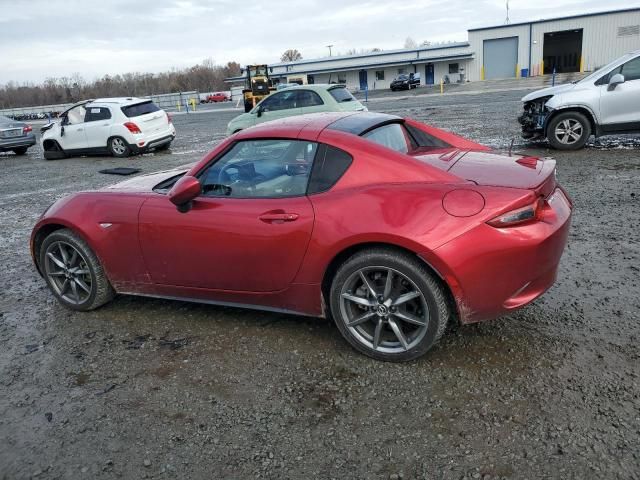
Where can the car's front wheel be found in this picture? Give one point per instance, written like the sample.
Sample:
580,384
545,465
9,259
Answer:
388,305
568,131
73,272
119,147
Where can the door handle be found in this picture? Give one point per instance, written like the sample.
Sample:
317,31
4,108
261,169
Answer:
278,217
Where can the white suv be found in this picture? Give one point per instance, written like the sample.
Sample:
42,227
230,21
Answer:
116,126
603,103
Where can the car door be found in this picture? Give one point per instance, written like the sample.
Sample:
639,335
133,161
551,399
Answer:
249,229
620,106
279,105
97,122
72,133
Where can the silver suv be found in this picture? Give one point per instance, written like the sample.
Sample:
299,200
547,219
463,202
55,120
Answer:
603,103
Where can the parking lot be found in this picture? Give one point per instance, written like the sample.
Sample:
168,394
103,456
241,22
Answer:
146,388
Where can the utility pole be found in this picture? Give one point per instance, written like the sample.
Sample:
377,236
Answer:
506,22
329,47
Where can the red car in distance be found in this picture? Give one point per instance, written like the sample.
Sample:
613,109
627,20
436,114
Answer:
217,97
393,228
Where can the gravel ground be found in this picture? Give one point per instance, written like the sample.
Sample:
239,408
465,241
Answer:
147,388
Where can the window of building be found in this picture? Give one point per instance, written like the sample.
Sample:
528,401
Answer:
453,68
380,75
402,71
342,78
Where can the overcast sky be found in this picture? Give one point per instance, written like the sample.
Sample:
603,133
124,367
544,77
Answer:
53,38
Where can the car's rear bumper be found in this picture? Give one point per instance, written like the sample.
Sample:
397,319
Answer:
7,144
492,271
147,143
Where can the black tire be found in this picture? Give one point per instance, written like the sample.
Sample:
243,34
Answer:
55,153
20,150
577,127
413,273
118,147
101,290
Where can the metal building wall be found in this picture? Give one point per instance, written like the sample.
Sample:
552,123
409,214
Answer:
600,41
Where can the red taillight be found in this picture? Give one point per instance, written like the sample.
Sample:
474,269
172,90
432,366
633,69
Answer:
169,119
519,215
26,129
132,127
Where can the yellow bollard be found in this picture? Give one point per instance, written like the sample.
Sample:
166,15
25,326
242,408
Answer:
441,86
581,64
193,104
517,71
482,73
178,106
541,67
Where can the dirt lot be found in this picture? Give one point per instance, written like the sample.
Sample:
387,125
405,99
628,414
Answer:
147,388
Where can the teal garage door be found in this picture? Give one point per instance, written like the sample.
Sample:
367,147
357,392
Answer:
500,57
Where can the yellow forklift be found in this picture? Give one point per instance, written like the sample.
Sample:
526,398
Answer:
257,85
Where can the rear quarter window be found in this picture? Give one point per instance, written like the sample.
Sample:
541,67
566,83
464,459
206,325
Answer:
328,167
139,109
341,94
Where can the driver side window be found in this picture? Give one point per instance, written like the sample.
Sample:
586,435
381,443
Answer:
76,115
280,101
261,169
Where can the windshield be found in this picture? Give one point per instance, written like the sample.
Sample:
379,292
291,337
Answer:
601,71
402,77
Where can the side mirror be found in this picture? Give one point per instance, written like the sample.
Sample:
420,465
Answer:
184,192
616,80
259,111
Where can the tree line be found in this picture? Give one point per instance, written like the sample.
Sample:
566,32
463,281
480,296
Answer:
204,77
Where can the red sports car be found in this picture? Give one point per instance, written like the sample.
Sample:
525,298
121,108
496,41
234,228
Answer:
391,227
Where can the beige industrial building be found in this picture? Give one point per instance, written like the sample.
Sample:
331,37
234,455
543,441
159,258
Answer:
568,44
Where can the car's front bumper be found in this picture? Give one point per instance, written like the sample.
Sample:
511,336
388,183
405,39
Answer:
492,271
7,144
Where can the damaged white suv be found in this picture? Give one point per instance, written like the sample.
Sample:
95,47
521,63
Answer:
603,103
115,126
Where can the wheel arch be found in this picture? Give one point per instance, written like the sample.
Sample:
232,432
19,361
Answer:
351,250
44,230
587,112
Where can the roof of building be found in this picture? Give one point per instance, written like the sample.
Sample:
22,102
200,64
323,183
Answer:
374,54
544,20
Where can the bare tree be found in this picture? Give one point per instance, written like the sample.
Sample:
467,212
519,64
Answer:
204,77
291,55
410,43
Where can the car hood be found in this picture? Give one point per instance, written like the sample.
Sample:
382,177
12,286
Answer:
490,168
545,92
145,183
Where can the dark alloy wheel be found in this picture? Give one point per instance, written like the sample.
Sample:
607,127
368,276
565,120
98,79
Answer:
568,131
388,305
119,147
73,272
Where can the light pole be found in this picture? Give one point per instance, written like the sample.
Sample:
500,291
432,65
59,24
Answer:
329,47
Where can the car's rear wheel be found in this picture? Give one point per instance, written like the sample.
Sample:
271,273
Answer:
73,272
569,131
119,147
20,150
388,305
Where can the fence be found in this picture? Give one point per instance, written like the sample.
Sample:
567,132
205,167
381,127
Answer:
166,101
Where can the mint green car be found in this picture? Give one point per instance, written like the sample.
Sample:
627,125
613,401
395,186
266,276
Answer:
298,100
